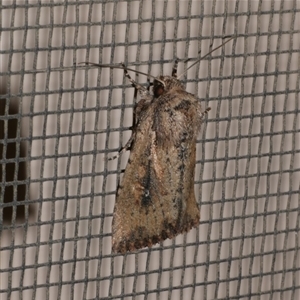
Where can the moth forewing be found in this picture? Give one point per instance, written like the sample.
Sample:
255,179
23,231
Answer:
156,198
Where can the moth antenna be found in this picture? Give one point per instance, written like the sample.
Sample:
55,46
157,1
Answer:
122,66
207,54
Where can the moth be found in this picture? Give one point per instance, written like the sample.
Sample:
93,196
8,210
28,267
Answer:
155,199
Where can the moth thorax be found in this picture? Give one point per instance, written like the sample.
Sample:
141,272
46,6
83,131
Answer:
164,84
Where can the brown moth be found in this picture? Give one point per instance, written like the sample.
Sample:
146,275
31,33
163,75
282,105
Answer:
155,199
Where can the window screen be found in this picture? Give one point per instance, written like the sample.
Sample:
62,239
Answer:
61,121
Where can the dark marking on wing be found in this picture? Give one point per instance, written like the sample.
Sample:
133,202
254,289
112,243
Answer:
183,105
146,182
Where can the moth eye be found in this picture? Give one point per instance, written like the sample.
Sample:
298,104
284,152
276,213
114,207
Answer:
158,90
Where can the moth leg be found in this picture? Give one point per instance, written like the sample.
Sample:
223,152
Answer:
174,70
135,95
203,113
143,91
133,128
123,149
129,142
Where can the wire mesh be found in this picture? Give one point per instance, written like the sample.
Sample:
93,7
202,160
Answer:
60,121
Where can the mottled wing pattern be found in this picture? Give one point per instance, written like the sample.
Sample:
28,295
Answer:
156,199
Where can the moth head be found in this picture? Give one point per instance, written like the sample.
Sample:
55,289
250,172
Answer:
164,84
